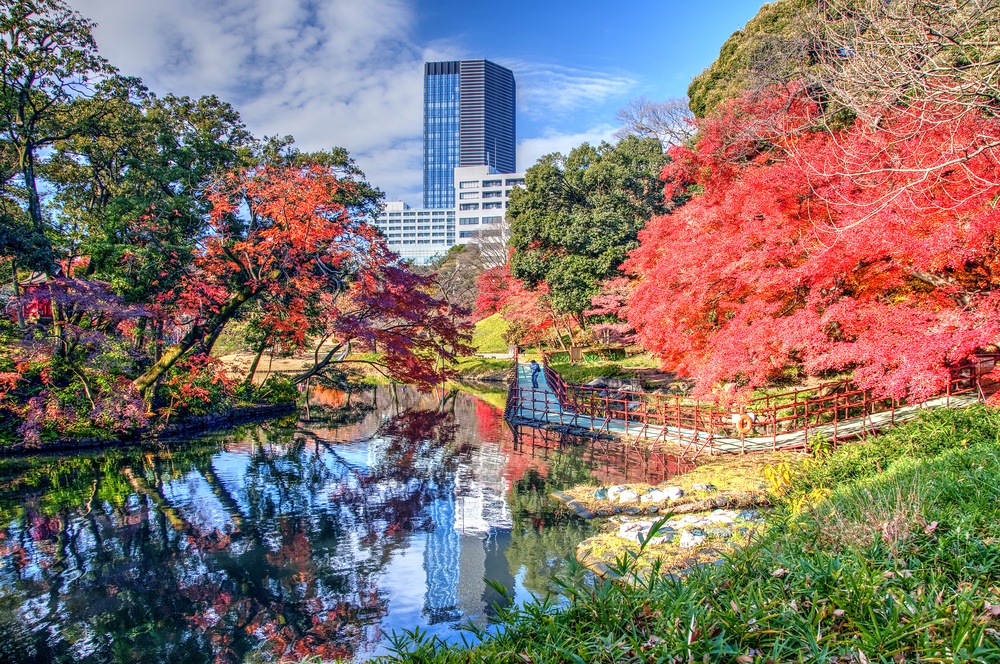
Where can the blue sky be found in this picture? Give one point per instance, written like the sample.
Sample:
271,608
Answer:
349,73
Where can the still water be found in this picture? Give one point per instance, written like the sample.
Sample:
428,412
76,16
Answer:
382,511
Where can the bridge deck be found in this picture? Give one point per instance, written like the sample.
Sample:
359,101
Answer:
542,405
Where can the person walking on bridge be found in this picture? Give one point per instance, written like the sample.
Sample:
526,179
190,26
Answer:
535,370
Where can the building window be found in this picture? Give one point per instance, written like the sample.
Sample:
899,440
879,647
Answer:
409,214
437,234
393,228
408,235
468,221
395,214
515,182
492,220
492,194
423,214
469,184
468,233
423,241
409,228
469,206
492,183
469,194
393,241
409,241
492,206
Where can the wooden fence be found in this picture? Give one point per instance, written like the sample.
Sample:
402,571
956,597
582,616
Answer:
788,420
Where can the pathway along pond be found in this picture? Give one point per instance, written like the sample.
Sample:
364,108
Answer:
291,537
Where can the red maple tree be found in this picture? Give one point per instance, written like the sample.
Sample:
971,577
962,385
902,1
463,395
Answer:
784,258
281,245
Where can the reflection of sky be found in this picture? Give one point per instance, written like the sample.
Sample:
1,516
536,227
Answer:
323,527
197,503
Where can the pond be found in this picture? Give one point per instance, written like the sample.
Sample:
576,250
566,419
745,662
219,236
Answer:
383,511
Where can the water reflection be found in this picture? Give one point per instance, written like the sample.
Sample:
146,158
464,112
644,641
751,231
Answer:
385,511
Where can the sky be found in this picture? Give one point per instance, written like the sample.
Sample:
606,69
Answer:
349,73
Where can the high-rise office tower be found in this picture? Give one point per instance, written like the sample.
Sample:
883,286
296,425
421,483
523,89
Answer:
468,121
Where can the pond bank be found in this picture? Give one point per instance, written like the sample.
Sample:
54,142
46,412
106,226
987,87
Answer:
162,432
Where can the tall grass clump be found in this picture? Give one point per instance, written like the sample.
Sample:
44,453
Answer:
884,551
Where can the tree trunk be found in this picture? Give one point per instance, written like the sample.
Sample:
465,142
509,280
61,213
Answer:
256,361
194,335
57,328
45,259
17,293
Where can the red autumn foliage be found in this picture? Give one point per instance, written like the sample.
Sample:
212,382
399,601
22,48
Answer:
788,255
280,245
530,313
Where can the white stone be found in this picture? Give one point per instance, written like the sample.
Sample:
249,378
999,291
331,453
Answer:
721,516
690,540
627,496
672,492
657,496
614,491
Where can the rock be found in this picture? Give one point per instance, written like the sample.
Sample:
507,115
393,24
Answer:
614,491
671,492
749,515
626,496
631,530
721,516
605,512
690,540
662,539
706,488
722,533
633,510
652,509
601,494
598,382
660,495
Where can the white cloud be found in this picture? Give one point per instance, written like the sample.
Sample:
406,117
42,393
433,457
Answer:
546,89
331,73
530,149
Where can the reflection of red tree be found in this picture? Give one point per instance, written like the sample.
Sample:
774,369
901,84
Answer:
609,461
325,396
489,421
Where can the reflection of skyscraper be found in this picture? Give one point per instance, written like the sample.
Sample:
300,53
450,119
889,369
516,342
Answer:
468,121
441,561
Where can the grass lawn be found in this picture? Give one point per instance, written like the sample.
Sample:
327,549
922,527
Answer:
488,335
590,369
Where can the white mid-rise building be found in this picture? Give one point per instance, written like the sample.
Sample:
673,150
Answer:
481,194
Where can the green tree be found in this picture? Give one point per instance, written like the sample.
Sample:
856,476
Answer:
775,46
49,65
580,215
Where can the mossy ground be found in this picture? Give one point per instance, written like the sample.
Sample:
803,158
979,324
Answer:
488,335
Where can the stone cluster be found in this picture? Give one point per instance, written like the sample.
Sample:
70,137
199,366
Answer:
691,530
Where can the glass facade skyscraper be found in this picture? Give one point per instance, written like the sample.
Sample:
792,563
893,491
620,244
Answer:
469,120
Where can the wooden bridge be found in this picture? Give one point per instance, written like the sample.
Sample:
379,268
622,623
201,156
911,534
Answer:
788,421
